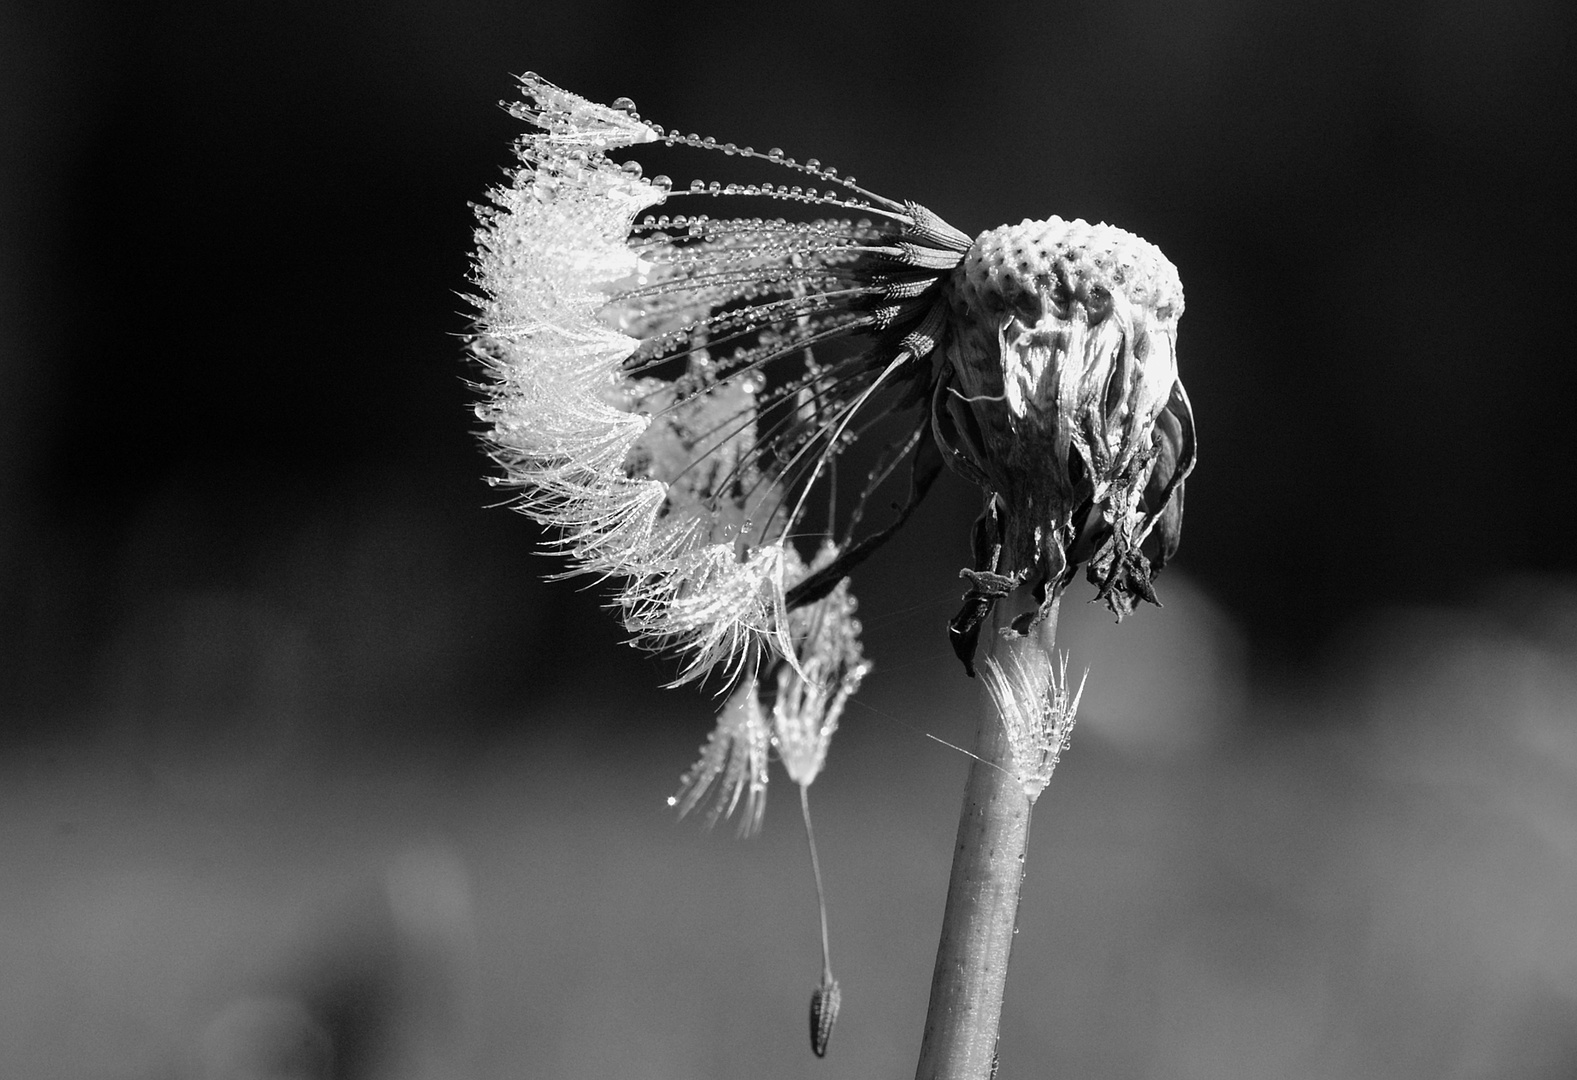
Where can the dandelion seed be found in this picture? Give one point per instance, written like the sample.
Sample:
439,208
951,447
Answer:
1035,707
825,1001
812,692
733,762
674,397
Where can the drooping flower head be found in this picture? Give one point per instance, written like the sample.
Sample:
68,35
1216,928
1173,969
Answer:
1060,397
673,395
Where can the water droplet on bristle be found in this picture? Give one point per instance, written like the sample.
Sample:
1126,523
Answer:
709,142
663,181
624,104
812,164
776,154
697,186
631,168
730,149
714,188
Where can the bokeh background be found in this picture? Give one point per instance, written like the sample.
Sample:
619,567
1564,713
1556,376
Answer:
305,772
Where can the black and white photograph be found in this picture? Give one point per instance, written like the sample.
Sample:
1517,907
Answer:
589,540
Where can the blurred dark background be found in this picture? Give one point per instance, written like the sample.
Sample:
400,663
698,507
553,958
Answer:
245,549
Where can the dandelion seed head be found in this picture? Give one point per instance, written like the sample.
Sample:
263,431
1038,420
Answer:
673,394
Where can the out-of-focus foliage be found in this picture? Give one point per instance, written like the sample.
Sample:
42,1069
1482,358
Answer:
1369,874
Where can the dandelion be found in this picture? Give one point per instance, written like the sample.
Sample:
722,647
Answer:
674,393
667,392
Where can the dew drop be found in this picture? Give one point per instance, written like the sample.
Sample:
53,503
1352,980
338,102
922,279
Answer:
850,180
730,149
830,171
812,164
791,162
697,186
709,142
624,104
748,150
664,181
714,188
776,154
631,168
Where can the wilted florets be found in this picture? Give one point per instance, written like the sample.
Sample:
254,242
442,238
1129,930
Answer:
1061,399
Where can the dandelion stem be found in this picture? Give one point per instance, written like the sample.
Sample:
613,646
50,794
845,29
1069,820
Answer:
967,986
815,869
